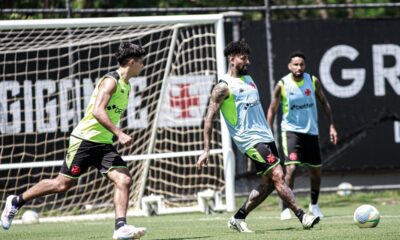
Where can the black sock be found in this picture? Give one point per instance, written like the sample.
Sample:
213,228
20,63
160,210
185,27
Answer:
284,205
300,214
18,201
119,222
241,214
314,196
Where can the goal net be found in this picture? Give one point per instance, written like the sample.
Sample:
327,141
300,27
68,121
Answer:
48,70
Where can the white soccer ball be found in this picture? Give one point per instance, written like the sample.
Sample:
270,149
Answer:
30,217
344,189
366,216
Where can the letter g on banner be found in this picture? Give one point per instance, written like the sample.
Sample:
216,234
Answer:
357,75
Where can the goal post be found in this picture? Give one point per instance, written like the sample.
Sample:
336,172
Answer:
48,71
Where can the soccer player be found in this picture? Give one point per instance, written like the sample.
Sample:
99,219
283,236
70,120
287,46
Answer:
90,144
236,95
297,92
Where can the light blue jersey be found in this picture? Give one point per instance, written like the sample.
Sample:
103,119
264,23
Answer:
243,113
299,105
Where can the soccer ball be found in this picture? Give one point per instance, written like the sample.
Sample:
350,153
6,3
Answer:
30,217
344,189
366,216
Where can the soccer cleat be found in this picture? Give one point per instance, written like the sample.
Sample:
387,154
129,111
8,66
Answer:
128,232
238,224
285,214
9,213
314,209
309,221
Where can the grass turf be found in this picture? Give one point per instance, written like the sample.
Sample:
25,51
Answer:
337,224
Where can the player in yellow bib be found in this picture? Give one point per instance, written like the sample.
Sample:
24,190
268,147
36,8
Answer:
91,144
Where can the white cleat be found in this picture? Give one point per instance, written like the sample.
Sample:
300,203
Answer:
285,214
314,209
9,213
309,221
238,224
128,232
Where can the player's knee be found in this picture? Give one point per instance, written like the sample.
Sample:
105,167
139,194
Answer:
125,181
62,186
278,178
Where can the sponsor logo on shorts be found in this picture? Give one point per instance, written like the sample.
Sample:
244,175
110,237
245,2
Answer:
271,158
75,170
293,156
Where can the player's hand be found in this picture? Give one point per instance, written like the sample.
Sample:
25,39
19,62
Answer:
333,134
203,159
124,139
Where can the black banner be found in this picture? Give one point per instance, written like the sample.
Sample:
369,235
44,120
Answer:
358,63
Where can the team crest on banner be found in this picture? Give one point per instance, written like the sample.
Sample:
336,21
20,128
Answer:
185,101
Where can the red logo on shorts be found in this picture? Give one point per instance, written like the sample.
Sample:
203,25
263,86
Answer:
75,170
293,156
271,158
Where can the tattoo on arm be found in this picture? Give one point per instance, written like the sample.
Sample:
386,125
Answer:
218,95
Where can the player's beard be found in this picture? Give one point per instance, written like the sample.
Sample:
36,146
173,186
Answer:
300,75
242,71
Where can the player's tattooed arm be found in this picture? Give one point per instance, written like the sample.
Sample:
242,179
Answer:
218,95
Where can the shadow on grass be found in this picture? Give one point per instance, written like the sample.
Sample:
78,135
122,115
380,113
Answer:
181,238
274,230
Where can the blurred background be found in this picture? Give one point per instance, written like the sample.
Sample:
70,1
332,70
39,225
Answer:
352,46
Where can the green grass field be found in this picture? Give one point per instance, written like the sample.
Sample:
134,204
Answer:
337,224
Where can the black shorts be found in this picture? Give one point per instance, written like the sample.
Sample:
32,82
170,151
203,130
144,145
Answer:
300,148
264,155
82,154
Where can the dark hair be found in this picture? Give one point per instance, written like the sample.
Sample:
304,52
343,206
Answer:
234,48
128,50
296,54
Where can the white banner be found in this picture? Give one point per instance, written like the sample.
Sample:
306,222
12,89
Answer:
185,101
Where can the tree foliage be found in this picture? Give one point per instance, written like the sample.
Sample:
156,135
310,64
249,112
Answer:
125,4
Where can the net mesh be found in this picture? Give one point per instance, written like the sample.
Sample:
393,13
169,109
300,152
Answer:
46,79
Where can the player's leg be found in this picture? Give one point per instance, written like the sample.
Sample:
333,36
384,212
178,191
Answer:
292,152
116,170
42,188
289,180
312,159
315,183
257,196
286,194
263,160
59,184
73,166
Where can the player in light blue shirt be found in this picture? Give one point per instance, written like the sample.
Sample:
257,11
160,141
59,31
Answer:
236,95
297,93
